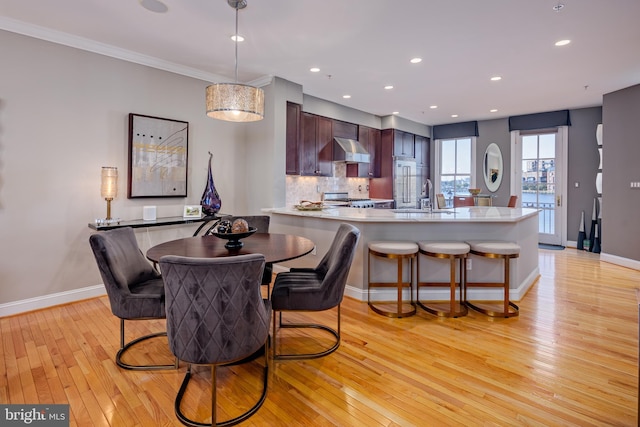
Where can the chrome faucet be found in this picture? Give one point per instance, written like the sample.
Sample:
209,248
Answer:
426,191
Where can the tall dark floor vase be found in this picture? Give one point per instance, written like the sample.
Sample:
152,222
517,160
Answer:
596,241
211,202
594,225
581,234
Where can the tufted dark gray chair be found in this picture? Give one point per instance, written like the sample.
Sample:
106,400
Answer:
135,289
315,289
261,223
216,316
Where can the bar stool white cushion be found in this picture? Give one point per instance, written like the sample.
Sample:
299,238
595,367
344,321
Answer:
494,247
395,248
445,248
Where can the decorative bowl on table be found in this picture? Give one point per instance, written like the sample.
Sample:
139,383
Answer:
474,191
234,238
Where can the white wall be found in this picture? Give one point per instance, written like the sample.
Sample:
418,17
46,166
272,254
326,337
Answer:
63,115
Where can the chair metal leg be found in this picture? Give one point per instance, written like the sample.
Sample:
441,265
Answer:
233,421
124,347
300,356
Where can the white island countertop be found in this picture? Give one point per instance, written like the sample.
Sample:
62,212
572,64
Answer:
518,225
456,215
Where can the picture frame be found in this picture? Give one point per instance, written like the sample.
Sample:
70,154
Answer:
158,157
192,211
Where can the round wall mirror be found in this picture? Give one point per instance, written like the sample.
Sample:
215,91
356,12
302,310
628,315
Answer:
492,167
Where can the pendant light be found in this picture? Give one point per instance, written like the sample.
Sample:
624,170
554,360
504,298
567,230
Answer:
235,102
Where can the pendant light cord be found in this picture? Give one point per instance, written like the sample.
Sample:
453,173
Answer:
236,41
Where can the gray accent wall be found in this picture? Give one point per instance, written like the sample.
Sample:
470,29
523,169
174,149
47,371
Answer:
494,131
620,167
582,163
582,168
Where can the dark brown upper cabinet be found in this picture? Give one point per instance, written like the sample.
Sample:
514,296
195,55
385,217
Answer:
345,130
293,138
316,145
370,140
403,144
421,147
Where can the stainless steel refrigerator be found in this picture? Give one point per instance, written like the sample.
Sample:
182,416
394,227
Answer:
405,191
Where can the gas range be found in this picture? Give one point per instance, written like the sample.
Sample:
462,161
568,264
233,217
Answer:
343,199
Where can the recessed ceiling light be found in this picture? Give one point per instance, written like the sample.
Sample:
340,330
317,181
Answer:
154,6
493,110
388,87
395,113
496,78
314,70
416,60
433,107
454,115
346,96
563,42
237,38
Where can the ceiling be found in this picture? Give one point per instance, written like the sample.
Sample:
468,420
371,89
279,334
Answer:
361,46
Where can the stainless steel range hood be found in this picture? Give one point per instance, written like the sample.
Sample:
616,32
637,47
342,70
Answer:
350,151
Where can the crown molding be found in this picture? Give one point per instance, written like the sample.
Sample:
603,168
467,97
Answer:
82,43
261,81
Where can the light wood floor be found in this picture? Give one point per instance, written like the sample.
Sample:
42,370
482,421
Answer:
569,359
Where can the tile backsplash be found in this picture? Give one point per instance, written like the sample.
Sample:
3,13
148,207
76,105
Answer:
311,187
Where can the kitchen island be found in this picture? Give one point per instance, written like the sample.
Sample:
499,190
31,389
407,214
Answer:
519,225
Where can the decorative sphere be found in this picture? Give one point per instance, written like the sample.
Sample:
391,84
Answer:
240,226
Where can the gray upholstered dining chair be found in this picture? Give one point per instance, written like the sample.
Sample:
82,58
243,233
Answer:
216,316
135,289
261,223
315,289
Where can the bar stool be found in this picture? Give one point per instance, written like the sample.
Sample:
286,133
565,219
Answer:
504,251
445,250
399,251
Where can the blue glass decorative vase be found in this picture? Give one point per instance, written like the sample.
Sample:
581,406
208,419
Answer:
210,201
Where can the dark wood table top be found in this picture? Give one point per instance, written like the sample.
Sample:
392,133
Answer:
274,247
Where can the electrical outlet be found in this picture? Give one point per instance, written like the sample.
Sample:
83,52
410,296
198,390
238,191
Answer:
469,264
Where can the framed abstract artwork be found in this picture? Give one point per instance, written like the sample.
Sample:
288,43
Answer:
157,157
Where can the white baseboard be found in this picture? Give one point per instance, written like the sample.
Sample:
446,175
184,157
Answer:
45,301
624,262
442,294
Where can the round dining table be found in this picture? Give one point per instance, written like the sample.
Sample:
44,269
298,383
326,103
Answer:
275,247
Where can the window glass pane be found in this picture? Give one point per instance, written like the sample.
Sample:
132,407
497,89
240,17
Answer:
530,147
464,156
447,186
548,146
448,163
462,185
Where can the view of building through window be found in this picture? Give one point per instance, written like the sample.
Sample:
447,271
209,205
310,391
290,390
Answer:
455,168
539,177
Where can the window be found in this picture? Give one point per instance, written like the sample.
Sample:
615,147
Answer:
455,167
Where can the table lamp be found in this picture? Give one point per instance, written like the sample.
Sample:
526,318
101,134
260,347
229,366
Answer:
109,187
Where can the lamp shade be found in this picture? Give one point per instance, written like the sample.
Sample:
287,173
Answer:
109,187
235,102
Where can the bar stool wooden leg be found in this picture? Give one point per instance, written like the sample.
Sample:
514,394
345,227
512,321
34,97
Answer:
400,251
504,251
455,253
